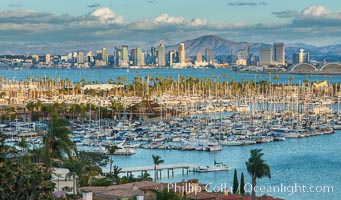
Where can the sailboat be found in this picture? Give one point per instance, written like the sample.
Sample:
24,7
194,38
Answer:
218,166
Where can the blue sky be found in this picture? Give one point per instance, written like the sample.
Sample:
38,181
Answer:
37,22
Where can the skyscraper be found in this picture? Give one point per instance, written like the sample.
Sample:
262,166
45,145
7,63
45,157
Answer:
247,52
80,58
171,57
279,52
125,57
139,57
199,57
265,55
47,58
209,54
301,57
153,55
182,53
161,56
105,56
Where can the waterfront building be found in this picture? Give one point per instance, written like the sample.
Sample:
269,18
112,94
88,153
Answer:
199,57
182,53
80,58
247,52
171,57
125,56
161,56
105,56
209,54
139,57
153,55
301,57
132,57
35,58
118,56
265,55
279,53
47,58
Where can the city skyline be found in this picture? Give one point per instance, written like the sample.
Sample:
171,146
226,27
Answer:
146,22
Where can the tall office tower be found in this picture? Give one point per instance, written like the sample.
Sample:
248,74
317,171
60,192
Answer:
153,55
279,52
247,52
265,55
301,57
47,58
139,57
132,57
182,53
209,53
161,56
198,57
105,56
241,55
125,57
171,57
35,58
80,57
118,55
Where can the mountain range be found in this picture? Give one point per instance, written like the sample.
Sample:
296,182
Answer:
220,45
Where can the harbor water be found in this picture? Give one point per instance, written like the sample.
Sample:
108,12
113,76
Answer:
312,162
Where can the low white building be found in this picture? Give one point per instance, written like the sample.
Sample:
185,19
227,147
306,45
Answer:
62,181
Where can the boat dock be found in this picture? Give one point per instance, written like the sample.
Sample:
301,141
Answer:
170,168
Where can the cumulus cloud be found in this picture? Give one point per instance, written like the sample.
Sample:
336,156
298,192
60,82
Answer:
246,3
103,24
198,22
315,10
106,15
165,18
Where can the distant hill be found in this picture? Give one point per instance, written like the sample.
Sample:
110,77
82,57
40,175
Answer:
222,46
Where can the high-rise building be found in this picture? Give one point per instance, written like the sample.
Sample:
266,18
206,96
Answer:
105,56
35,58
161,56
247,52
118,56
153,55
171,57
182,53
139,57
80,57
125,56
199,57
265,55
301,57
47,58
279,53
209,54
132,57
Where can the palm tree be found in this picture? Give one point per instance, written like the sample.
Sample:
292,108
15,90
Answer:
257,168
57,143
111,150
115,174
156,160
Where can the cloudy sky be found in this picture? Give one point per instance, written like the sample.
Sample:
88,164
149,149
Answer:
135,22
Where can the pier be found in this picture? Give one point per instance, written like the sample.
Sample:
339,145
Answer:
170,169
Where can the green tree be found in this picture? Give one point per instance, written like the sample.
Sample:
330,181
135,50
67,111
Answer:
111,150
242,185
257,168
156,160
235,182
57,143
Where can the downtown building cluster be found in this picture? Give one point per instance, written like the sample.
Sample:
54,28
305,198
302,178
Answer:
124,57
